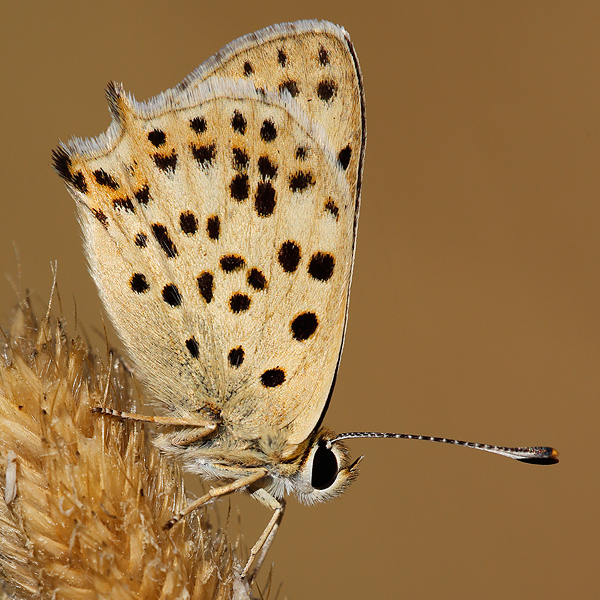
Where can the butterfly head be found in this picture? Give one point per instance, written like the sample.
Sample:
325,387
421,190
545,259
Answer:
325,469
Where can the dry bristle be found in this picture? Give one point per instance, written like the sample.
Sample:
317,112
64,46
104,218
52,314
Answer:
92,495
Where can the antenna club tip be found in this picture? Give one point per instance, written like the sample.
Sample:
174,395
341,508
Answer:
551,455
544,456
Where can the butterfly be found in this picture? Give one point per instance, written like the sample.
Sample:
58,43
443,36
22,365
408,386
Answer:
219,221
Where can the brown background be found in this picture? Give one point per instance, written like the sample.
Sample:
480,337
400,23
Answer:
476,301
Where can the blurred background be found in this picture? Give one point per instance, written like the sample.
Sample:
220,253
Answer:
475,308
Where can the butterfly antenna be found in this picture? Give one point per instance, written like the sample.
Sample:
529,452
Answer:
535,455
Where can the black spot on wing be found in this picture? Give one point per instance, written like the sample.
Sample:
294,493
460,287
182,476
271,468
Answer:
198,124
79,182
142,195
304,326
124,204
239,302
240,159
266,168
323,57
273,377
301,180
301,152
344,157
256,279
100,216
204,154
268,132
104,179
213,227
231,262
321,266
193,347
63,166
289,256
171,295
157,137
291,86
166,162
162,237
188,222
138,283
141,240
206,285
264,201
239,187
332,208
238,122
326,90
236,356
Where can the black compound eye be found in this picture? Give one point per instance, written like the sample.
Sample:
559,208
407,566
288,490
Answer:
325,468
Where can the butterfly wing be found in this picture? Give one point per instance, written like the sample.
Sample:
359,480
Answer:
219,224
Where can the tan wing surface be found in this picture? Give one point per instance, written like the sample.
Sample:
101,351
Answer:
219,224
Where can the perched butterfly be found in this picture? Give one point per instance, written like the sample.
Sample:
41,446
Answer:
220,221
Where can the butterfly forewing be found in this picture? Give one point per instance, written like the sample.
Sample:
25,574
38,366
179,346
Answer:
315,62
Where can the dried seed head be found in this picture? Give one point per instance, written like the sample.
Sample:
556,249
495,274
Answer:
84,514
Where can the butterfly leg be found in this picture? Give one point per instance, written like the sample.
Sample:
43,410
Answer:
262,545
198,422
238,484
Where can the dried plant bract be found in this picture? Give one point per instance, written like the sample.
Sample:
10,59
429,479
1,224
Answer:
84,498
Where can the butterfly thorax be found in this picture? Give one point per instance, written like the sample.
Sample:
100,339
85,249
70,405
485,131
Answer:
223,456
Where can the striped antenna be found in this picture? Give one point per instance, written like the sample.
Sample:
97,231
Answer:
534,455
